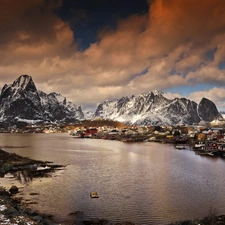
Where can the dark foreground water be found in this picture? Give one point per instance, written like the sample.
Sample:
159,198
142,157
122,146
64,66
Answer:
145,183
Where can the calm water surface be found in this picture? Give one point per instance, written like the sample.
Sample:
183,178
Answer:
145,183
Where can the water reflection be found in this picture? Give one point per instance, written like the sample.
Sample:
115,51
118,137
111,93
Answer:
11,146
27,176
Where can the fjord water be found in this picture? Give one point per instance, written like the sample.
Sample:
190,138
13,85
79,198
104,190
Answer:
144,183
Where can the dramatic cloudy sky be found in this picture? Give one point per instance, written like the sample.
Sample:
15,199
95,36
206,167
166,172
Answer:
93,50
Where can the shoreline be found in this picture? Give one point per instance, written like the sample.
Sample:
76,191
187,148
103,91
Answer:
12,210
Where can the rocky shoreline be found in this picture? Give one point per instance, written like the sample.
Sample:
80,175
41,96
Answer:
12,210
208,220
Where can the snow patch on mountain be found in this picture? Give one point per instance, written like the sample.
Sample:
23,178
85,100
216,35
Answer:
89,115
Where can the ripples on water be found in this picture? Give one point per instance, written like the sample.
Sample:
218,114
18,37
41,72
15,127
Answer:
145,183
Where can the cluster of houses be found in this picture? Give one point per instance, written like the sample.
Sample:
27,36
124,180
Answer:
152,133
111,133
205,140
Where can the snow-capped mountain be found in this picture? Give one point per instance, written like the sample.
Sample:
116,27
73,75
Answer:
155,109
21,101
56,107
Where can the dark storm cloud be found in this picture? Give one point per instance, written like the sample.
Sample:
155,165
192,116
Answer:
30,29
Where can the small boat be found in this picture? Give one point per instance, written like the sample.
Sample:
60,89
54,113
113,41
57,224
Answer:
94,195
211,154
199,144
43,167
180,147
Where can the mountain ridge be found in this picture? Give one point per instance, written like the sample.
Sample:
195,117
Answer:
21,101
155,109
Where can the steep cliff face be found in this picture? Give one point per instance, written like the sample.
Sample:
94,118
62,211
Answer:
21,101
207,110
155,109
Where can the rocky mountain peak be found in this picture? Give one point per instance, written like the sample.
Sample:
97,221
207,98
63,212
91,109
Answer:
24,82
58,97
156,92
207,110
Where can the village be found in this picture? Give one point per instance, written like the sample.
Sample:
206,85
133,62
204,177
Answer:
204,140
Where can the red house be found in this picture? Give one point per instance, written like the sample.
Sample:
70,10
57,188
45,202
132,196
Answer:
91,131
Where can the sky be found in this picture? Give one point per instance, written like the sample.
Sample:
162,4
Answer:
93,50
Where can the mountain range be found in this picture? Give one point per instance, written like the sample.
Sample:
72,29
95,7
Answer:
21,102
